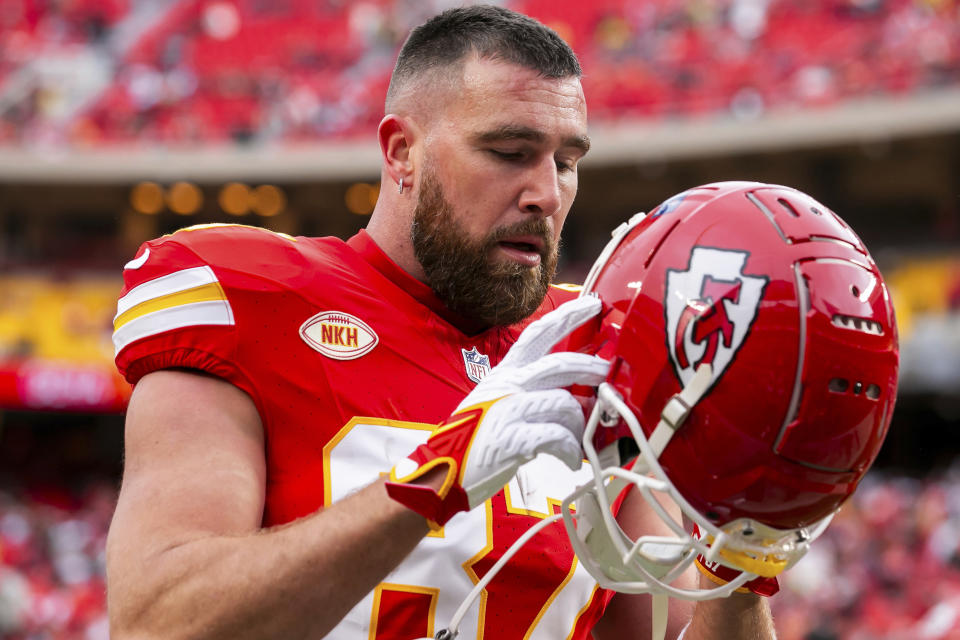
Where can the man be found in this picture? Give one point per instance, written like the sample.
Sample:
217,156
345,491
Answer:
277,378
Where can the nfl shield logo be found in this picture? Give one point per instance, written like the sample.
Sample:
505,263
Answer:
476,364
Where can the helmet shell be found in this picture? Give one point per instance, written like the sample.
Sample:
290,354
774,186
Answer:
782,298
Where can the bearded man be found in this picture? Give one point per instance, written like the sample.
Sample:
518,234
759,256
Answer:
285,474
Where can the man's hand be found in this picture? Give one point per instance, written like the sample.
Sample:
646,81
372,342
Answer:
519,410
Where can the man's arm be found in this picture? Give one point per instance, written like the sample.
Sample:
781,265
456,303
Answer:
186,556
629,616
741,615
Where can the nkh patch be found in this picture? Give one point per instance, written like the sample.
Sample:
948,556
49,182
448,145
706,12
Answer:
476,364
339,335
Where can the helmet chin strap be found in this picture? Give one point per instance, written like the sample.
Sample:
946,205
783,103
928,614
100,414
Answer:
678,408
672,418
659,605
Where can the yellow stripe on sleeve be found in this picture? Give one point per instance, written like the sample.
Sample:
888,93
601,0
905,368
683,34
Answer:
203,293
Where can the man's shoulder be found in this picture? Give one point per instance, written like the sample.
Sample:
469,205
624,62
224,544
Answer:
246,248
187,296
236,256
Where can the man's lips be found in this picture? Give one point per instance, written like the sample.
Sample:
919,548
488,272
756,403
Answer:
526,249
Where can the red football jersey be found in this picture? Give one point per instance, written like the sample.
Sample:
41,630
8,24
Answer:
351,363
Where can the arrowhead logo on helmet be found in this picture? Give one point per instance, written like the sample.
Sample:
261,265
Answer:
710,308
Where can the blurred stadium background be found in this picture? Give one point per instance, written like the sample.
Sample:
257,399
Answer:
121,120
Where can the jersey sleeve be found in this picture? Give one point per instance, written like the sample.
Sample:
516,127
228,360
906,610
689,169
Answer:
174,311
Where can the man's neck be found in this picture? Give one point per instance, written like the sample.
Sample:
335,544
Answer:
391,231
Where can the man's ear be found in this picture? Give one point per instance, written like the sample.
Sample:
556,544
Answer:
397,135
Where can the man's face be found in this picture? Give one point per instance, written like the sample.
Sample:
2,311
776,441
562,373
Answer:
460,270
498,176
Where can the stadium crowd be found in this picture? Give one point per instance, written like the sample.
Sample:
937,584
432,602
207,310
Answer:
170,72
888,568
52,562
214,71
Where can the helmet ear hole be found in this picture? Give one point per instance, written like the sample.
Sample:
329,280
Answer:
838,385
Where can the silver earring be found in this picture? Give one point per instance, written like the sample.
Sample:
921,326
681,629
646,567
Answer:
401,185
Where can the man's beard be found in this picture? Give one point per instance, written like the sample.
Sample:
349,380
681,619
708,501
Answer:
460,272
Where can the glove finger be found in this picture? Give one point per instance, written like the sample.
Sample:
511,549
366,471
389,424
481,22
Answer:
560,443
555,406
557,370
543,334
514,431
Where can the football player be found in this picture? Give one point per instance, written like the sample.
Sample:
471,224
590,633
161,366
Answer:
340,439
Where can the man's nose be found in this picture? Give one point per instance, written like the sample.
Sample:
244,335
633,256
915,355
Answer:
541,195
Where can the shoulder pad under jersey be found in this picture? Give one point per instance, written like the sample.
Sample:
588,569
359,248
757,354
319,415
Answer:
175,307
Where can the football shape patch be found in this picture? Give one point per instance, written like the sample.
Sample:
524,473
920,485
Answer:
710,308
339,335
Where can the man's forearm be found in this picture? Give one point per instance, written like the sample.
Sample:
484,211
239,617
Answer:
298,580
741,616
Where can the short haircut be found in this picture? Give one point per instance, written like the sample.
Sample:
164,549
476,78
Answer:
491,32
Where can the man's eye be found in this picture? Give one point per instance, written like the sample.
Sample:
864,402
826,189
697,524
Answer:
565,166
513,156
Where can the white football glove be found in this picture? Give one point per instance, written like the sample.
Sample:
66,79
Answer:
519,410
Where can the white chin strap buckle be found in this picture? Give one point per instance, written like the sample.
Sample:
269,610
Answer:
679,407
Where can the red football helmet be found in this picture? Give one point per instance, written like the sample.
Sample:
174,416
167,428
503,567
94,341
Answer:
754,364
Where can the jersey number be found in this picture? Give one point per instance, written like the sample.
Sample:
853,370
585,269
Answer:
429,585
